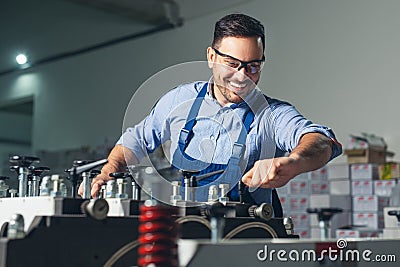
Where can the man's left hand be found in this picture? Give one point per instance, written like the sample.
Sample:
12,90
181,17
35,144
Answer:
271,173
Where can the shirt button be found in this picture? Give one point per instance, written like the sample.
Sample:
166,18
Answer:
212,137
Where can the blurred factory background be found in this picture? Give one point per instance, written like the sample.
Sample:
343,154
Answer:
336,61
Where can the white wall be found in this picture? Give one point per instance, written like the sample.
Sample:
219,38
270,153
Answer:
337,61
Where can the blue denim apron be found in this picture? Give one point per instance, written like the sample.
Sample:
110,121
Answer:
233,170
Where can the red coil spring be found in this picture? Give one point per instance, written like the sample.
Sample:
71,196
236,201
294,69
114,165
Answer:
158,235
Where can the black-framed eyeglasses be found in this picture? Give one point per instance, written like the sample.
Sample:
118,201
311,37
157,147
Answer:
251,67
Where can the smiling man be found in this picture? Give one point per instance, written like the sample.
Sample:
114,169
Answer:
234,82
227,124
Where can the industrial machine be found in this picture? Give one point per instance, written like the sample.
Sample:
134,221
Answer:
45,223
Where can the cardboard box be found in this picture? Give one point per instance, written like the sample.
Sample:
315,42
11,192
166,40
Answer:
300,219
320,174
357,233
366,140
302,232
302,176
319,187
364,171
284,202
331,201
389,170
283,191
373,220
362,187
367,155
340,187
338,171
384,187
369,203
299,203
299,187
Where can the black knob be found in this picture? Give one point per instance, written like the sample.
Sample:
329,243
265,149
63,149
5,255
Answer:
3,178
395,213
37,171
324,214
117,175
77,163
189,173
264,211
14,168
216,210
23,161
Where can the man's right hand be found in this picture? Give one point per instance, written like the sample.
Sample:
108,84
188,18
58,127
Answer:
97,182
117,160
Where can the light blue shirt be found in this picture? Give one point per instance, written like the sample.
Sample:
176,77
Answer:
276,129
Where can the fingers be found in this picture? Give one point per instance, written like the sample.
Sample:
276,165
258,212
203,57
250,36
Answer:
96,185
259,176
247,177
95,190
263,174
80,190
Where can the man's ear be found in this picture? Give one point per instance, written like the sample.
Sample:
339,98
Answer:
210,57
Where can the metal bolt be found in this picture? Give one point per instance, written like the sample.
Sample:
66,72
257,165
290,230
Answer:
224,191
289,225
212,193
13,192
121,183
110,189
175,192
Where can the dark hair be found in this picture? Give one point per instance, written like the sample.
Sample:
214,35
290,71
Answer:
238,25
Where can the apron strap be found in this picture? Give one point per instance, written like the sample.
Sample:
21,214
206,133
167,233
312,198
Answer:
184,135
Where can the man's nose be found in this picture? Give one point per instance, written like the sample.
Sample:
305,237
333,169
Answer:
241,74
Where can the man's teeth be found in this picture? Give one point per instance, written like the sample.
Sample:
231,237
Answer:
241,85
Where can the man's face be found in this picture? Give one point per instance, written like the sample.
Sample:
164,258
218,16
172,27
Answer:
230,84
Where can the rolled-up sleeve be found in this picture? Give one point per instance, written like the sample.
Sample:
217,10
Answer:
290,126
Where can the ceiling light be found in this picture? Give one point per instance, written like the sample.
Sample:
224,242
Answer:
21,59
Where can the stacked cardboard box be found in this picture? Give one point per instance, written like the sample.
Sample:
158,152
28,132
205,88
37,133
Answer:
338,196
383,188
297,194
355,188
367,148
367,207
369,197
295,198
389,170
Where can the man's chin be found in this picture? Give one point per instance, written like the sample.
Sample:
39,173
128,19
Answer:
235,98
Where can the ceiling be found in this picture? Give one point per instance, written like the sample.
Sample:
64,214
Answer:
50,29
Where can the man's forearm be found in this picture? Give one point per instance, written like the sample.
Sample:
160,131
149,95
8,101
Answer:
118,159
313,151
